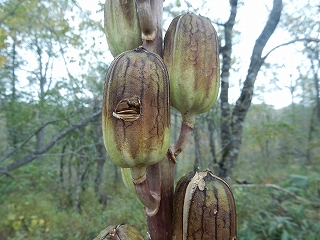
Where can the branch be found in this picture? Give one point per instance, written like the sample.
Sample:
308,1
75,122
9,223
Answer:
274,186
291,42
30,157
28,139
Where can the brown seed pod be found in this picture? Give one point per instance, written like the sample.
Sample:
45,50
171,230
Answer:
204,208
136,109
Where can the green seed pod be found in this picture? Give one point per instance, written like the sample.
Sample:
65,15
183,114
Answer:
127,179
120,232
191,55
121,24
136,109
204,208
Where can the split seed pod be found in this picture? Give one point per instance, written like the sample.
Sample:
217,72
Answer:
204,208
191,55
121,24
136,109
120,232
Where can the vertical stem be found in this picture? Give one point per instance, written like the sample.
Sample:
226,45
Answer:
156,44
160,225
160,176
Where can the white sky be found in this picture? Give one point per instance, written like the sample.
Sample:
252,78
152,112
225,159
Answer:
251,18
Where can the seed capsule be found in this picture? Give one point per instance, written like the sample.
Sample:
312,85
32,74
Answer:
121,24
191,55
120,232
204,208
127,179
135,110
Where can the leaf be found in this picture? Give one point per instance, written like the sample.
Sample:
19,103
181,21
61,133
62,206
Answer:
284,235
299,180
11,216
16,225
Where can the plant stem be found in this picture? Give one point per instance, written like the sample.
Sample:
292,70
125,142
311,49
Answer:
150,199
160,176
148,28
185,132
160,225
155,45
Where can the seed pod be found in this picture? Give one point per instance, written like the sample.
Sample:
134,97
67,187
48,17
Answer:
121,24
136,109
120,232
191,55
127,179
204,208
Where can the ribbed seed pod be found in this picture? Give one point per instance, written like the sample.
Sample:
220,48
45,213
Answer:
120,232
136,109
204,208
121,24
191,55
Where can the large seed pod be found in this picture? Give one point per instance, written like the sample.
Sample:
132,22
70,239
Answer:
121,24
136,109
120,232
204,208
191,55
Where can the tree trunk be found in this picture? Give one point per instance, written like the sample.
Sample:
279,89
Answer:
102,155
232,123
42,82
315,71
61,174
211,128
310,136
226,51
69,183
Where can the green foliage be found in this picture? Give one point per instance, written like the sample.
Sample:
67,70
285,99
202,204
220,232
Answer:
35,213
273,214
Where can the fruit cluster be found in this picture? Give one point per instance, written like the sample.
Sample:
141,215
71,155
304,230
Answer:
140,87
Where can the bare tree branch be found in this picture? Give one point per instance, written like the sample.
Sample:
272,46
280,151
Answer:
291,42
28,139
30,157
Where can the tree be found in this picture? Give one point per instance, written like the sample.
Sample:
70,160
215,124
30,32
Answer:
37,37
232,119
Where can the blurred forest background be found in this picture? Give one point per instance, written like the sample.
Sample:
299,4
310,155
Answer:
56,181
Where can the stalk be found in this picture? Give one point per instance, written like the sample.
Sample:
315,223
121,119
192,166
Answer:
160,224
160,176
